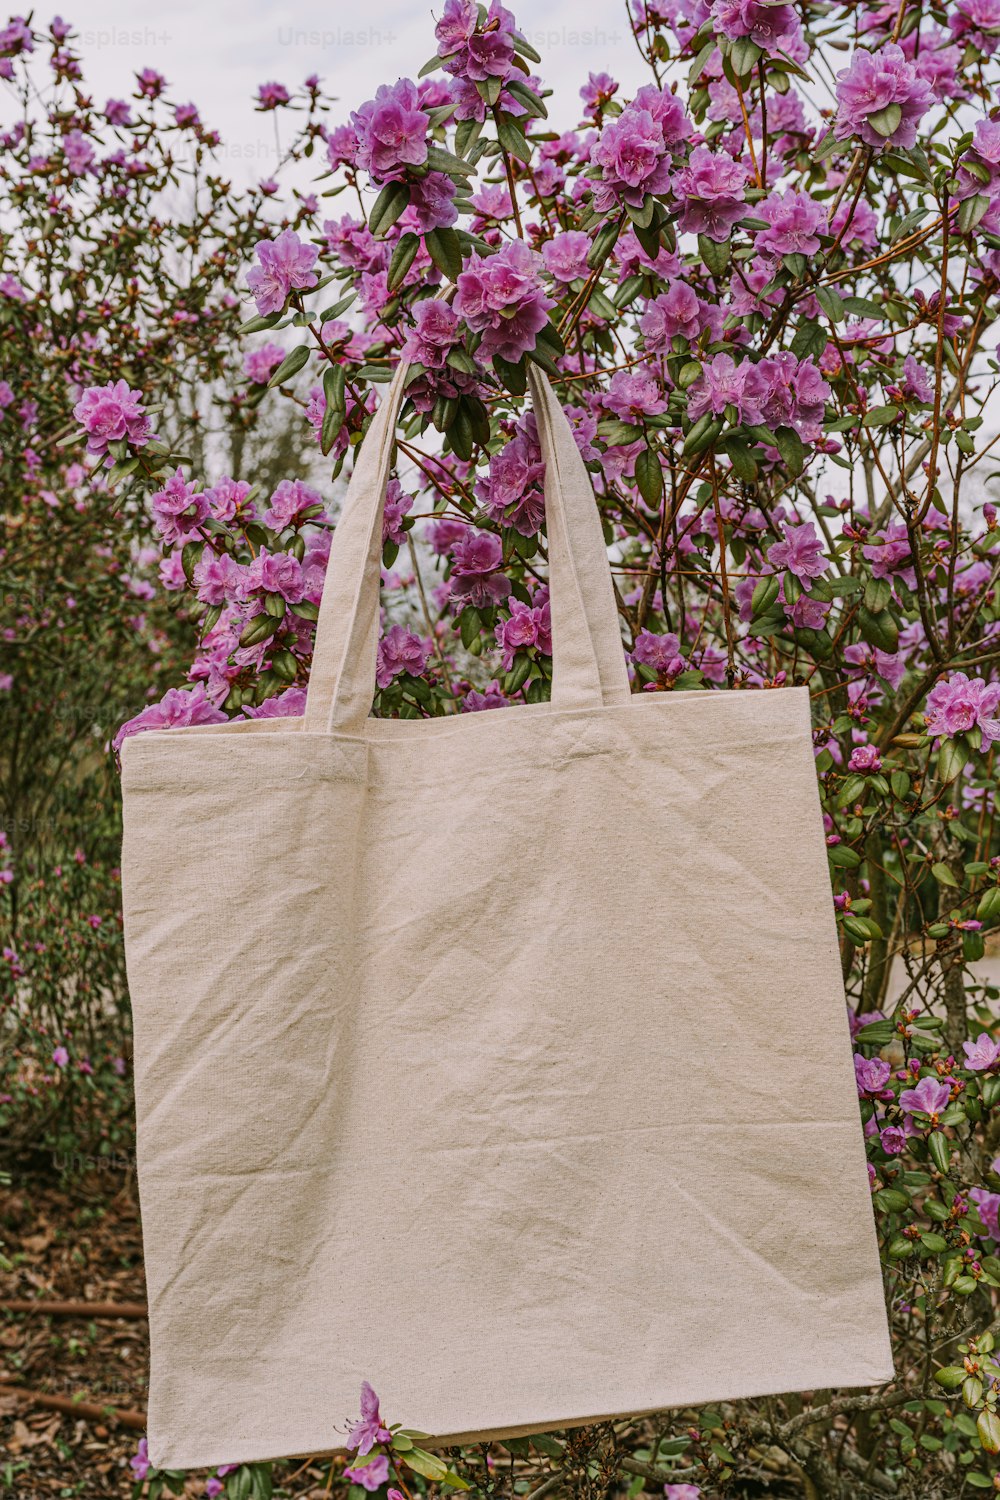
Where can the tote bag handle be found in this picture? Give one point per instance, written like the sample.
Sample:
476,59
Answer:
588,660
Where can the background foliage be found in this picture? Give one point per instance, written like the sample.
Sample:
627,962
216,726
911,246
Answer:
766,292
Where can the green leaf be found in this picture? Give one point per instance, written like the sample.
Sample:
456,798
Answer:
764,594
427,1464
943,874
940,1150
878,592
440,160
714,253
527,97
649,476
791,448
886,121
604,243
744,55
876,1034
334,387
333,421
445,250
988,1427
512,138
810,340
951,1377
878,630
467,133
951,760
843,857
703,434
290,365
881,416
388,206
831,303
257,325
402,259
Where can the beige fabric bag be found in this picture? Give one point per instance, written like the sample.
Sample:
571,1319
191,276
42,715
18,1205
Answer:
499,1059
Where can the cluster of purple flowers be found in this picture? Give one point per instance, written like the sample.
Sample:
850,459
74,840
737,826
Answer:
285,265
110,414
778,391
881,98
502,297
633,153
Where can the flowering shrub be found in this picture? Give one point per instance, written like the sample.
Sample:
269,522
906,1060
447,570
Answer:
765,290
118,318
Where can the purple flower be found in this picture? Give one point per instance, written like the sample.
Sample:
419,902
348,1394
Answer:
285,264
661,652
270,95
178,708
474,703
791,393
917,381
502,298
475,576
370,1476
960,703
633,160
773,27
139,1463
79,153
981,1054
865,758
800,551
228,501
291,704
723,383
988,1206
397,506
795,223
260,364
431,203
369,1429
565,255
475,52
435,334
399,650
711,188
881,98
178,510
930,1097
871,1074
526,627
978,21
511,494
218,578
276,573
391,131
632,395
213,1487
60,1057
292,502
109,413
598,89
892,1140
676,313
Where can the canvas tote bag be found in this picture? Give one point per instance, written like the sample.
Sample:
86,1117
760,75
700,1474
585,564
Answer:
500,1059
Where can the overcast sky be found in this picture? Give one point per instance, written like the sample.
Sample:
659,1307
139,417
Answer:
216,52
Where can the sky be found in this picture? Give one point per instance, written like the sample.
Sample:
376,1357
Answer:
215,53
